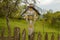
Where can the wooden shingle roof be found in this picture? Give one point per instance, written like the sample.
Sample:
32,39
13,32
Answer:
32,8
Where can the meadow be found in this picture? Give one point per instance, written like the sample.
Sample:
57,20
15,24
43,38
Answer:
22,24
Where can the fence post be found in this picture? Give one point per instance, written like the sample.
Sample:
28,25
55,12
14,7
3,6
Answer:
58,36
46,36
31,37
2,34
16,33
52,37
24,35
39,36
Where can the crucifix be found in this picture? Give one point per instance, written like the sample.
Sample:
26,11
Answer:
30,14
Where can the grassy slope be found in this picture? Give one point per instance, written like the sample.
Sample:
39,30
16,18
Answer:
23,24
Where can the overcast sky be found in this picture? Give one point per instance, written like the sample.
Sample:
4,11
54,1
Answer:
49,4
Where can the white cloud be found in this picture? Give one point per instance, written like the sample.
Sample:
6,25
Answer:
56,1
44,2
54,5
47,2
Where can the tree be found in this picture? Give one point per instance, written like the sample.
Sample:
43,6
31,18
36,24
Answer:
8,7
52,19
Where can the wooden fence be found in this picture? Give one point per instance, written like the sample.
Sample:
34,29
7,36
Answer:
17,35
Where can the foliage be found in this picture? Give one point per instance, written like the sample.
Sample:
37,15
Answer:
9,6
52,19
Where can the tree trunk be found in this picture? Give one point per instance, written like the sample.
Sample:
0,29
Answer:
8,26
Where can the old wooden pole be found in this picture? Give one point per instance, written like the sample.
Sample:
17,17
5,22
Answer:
24,35
31,37
2,34
17,33
52,37
58,36
39,36
46,36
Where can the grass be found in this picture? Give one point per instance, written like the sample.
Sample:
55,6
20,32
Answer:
22,24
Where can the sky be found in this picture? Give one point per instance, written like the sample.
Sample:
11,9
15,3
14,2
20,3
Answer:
49,4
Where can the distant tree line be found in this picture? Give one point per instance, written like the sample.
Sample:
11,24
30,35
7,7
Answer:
52,19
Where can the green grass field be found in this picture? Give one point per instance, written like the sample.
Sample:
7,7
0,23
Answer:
38,27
